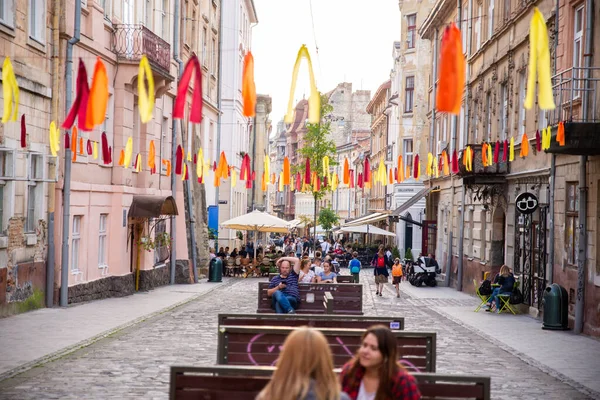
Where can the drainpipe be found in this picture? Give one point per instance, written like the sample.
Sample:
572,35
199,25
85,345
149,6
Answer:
552,173
580,301
51,260
461,227
219,103
174,141
64,266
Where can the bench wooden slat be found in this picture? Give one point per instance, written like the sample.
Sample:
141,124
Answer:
259,345
226,382
315,321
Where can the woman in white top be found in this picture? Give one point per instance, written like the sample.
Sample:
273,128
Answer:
306,275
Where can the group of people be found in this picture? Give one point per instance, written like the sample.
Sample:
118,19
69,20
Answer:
373,373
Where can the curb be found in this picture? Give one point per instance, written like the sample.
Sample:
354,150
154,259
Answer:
523,357
87,342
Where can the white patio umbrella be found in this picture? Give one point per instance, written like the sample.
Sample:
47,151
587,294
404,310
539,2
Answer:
257,221
367,229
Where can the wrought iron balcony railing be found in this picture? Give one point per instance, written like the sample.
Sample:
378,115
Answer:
131,41
499,168
575,96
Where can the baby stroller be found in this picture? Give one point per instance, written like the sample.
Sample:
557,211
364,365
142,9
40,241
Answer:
424,271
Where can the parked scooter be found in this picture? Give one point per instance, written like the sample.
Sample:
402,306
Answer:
424,271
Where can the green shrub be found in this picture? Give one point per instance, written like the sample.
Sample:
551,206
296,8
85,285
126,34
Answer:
408,254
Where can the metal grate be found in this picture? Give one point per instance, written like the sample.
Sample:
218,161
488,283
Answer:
131,41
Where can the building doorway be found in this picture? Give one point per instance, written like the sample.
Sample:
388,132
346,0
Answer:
498,238
408,233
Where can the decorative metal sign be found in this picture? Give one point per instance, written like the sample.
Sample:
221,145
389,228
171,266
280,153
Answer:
527,203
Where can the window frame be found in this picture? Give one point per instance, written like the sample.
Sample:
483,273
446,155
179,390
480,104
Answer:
411,31
102,240
578,49
488,116
522,93
7,14
572,220
409,93
75,243
503,112
406,154
36,21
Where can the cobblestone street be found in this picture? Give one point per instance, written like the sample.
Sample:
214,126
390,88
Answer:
134,363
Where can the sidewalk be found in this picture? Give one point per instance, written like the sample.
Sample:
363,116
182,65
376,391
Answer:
42,335
573,358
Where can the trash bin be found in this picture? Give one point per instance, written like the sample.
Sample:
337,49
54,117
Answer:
556,308
215,270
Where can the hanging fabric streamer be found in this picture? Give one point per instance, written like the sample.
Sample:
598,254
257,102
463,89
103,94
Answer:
400,167
381,175
538,141
416,172
151,156
74,134
367,171
524,146
469,159
314,101
307,174
446,166
248,86
484,160
429,168
455,169
106,156
489,155
192,67
138,163
98,97
245,173
233,176
145,96
287,173
511,150
351,179
122,158
539,64
452,72
178,160
95,151
560,134
391,176
497,152
346,175
54,139
80,105
546,138
298,182
10,91
360,182
128,153
273,178
23,132
200,165
505,151
222,168
326,172
335,181
263,185
280,183
89,147
185,174
81,146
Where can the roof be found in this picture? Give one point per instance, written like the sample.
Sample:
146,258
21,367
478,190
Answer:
384,86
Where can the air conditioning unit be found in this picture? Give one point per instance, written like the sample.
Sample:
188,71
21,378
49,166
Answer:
441,146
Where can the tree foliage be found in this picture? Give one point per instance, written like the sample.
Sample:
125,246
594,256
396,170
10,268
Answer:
327,218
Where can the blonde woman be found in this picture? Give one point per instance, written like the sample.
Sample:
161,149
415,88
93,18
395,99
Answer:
506,280
306,275
304,375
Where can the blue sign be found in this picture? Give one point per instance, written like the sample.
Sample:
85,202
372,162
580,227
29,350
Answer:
213,217
394,325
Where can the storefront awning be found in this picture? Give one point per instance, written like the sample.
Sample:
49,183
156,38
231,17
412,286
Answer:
152,206
412,201
367,219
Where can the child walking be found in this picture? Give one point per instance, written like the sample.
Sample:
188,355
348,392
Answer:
397,275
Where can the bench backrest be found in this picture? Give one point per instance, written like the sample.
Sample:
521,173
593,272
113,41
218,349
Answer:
237,383
260,346
347,298
340,278
312,320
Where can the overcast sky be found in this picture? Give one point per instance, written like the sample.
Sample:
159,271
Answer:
354,37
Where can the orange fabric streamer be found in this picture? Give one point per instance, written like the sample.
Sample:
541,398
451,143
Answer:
80,146
151,156
263,185
74,133
248,86
346,172
287,173
391,176
524,146
452,72
560,134
98,97
400,170
167,165
122,158
223,168
484,154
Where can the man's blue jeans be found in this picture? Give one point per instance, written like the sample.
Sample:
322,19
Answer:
283,303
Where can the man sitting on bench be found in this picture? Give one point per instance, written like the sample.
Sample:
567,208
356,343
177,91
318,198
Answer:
283,288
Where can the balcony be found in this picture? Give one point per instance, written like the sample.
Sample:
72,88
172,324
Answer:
576,100
493,174
130,42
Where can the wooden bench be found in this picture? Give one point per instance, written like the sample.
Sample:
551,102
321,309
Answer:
340,278
260,346
241,383
315,321
347,298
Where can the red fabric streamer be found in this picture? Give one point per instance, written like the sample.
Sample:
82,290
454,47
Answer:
23,132
195,158
106,157
179,161
191,67
505,151
367,171
298,182
455,169
90,150
307,174
452,72
496,152
79,107
245,168
360,180
538,141
67,141
351,178
416,167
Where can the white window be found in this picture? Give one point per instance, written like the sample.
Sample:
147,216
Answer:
411,31
463,25
488,116
478,27
503,112
30,220
213,68
490,19
35,176
37,20
102,240
148,14
408,154
204,39
542,120
75,241
577,48
6,163
475,121
522,114
107,6
7,16
165,20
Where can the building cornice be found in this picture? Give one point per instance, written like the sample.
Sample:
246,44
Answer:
381,89
436,17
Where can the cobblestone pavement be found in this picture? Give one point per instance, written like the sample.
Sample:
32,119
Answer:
134,363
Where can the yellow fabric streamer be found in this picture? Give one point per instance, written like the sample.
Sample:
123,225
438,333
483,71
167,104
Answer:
334,181
281,181
128,153
183,171
233,177
381,175
429,169
138,163
489,155
145,97
314,101
511,149
326,171
267,167
10,89
469,159
95,151
539,62
54,139
435,168
200,164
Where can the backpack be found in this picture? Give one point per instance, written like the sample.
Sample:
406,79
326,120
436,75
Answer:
485,288
516,297
381,262
354,269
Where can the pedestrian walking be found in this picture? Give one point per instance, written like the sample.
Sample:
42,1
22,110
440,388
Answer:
397,275
355,267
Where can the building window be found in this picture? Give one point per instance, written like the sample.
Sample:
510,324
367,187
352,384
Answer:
490,19
30,220
411,32
161,253
204,39
408,155
488,116
165,20
506,10
107,7
572,221
475,122
148,14
7,16
37,20
542,119
34,189
503,111
409,91
522,114
102,240
6,163
577,48
75,242
214,57
1,209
